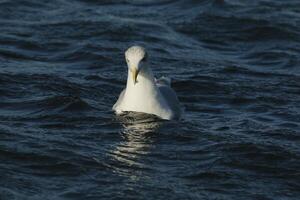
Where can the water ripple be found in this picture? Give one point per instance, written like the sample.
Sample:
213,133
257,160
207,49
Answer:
233,64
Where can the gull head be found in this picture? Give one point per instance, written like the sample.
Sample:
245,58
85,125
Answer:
136,57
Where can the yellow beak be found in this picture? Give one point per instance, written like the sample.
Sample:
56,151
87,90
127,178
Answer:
134,73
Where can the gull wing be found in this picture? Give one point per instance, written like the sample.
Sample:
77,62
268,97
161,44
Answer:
164,85
119,101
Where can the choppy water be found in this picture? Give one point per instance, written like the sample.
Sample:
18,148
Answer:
234,65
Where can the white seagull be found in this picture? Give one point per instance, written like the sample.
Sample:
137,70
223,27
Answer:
145,94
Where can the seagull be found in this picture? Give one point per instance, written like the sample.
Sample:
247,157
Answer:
144,93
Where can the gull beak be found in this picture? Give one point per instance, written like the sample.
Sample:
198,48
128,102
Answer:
134,73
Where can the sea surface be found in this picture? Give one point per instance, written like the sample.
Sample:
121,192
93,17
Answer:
235,66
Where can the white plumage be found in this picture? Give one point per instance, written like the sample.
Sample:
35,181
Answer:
143,93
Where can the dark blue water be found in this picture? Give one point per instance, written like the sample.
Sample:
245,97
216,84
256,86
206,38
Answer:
235,66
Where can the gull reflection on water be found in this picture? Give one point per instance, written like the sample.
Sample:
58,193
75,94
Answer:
138,135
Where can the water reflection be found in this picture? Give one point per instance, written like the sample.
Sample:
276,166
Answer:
138,135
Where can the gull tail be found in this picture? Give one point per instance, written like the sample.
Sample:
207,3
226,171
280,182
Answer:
163,81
